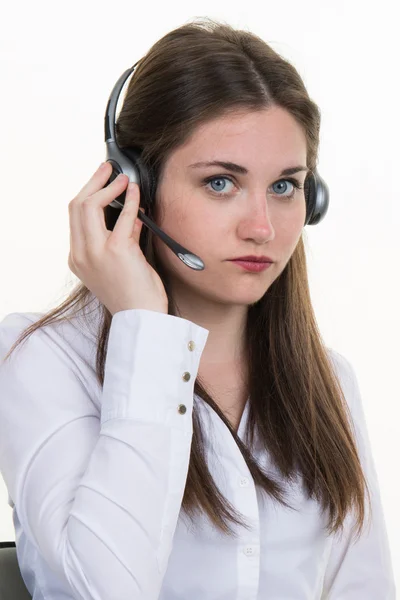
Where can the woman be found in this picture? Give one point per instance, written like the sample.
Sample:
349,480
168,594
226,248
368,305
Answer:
167,433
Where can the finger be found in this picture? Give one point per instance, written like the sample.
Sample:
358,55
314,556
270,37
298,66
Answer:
92,212
137,230
126,226
77,234
96,182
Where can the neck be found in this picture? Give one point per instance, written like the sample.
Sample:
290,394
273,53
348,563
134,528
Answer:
226,325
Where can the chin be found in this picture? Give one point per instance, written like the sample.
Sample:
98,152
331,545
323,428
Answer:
237,299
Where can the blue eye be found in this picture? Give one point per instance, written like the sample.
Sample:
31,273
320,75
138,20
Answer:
285,182
219,178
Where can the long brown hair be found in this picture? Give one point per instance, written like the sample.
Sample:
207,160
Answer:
194,73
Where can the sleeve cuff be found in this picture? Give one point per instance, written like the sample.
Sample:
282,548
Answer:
151,366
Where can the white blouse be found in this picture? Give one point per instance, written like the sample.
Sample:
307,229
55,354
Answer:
96,477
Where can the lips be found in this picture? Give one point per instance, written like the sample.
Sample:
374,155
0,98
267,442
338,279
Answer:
252,265
262,259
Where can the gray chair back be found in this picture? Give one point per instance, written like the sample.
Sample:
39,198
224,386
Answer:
12,586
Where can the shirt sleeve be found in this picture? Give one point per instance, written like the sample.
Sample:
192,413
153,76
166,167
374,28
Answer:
99,495
361,569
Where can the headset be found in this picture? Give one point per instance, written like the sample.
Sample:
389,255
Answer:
127,161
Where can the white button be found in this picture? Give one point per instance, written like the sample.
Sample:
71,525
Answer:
244,482
250,550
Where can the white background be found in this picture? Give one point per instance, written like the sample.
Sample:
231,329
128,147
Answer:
59,62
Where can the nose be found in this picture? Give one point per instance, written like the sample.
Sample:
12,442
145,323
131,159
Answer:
257,224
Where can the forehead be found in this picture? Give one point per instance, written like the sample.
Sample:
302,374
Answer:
269,135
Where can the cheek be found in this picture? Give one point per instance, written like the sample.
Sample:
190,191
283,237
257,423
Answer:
294,223
193,230
289,233
195,225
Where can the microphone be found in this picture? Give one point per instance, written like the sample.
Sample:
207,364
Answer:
190,259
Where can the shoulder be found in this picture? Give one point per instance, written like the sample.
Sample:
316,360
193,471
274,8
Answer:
14,323
346,375
65,347
341,364
353,396
76,335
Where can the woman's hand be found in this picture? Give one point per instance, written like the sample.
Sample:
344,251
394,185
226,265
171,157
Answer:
111,263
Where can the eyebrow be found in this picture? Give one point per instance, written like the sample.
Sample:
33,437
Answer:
230,166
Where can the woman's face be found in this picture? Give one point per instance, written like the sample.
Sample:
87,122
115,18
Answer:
235,214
